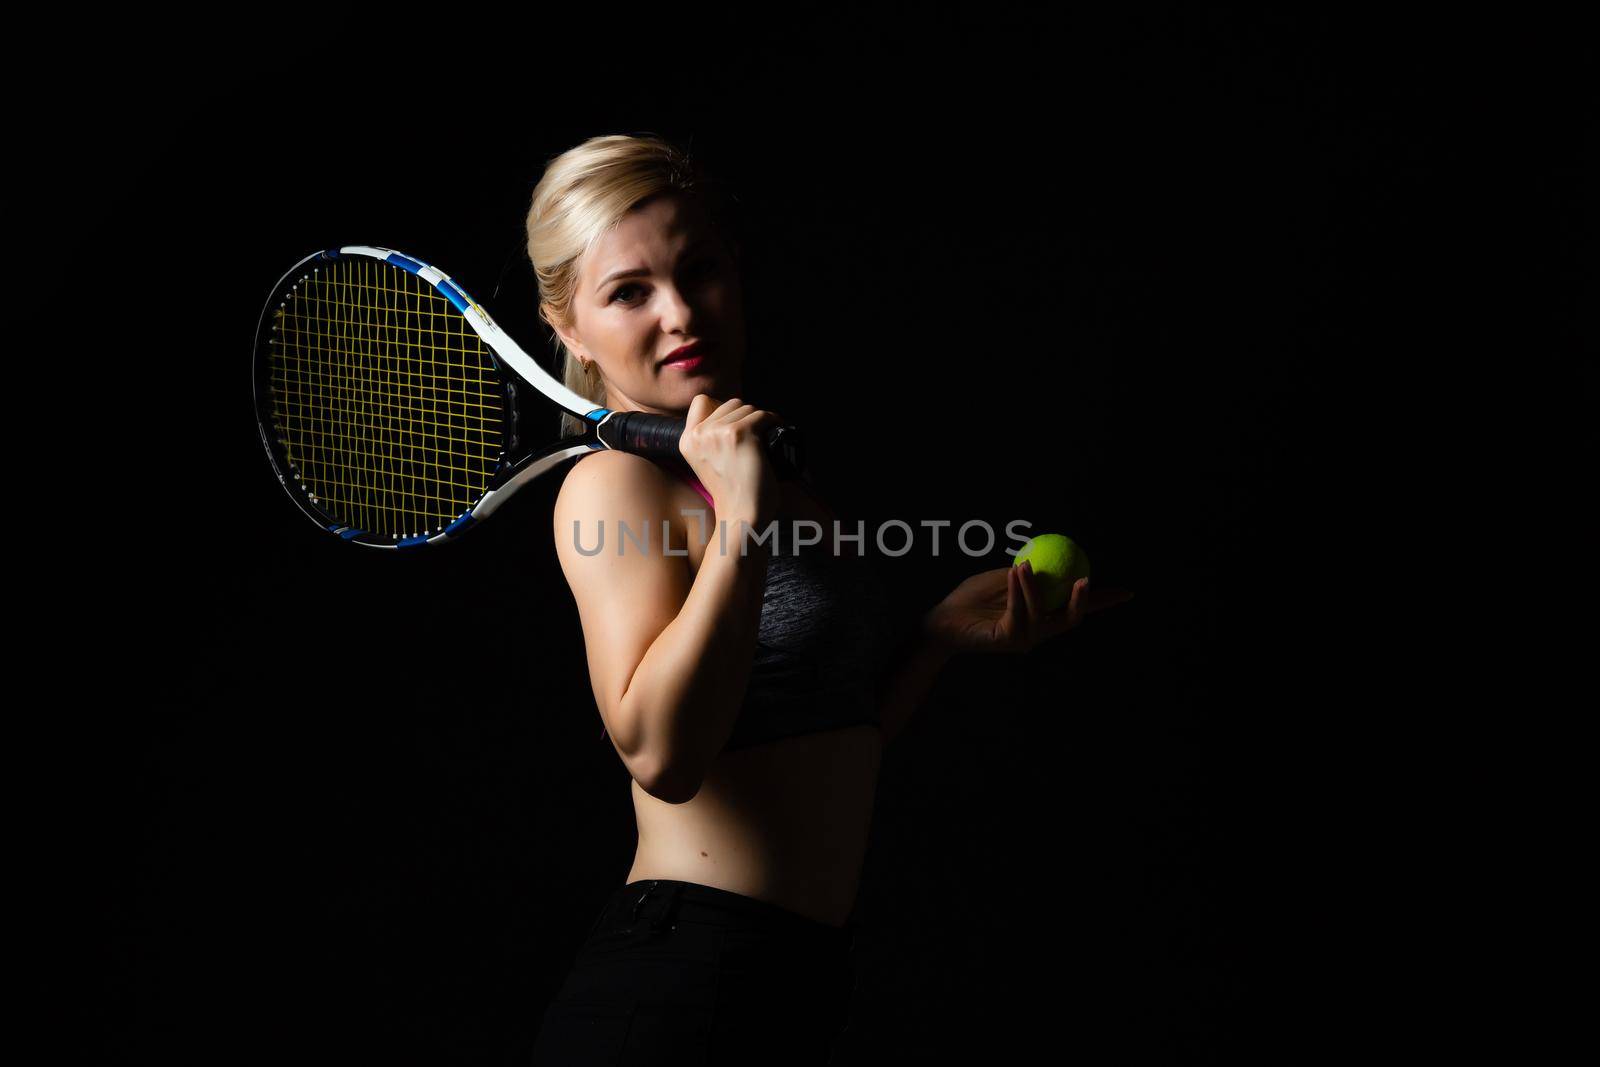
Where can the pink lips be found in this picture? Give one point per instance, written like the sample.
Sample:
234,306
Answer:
686,358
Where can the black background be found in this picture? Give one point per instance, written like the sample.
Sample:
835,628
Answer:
1185,287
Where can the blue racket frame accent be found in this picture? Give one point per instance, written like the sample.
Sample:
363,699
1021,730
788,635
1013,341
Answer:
451,291
603,427
402,261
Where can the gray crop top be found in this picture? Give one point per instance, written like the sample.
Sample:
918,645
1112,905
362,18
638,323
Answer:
828,627
825,633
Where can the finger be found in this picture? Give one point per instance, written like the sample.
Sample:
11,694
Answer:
731,420
757,417
1075,606
1031,596
1059,621
728,409
759,424
1016,619
1088,603
702,406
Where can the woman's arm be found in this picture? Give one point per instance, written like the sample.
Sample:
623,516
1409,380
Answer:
999,610
670,651
687,691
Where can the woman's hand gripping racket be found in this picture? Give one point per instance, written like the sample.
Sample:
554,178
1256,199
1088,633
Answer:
386,399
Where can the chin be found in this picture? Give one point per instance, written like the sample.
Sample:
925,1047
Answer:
711,383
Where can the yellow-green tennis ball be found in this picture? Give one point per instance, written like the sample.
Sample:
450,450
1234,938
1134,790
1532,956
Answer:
1057,564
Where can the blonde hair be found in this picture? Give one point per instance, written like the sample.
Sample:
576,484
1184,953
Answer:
584,192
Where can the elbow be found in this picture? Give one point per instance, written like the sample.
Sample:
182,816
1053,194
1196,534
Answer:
669,781
662,769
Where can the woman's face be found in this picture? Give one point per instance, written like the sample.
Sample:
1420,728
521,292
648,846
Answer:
661,280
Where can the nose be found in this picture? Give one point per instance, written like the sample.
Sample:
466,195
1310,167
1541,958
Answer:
677,313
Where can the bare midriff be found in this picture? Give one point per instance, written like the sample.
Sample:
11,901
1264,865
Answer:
787,821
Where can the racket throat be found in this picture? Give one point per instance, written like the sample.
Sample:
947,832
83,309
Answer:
525,471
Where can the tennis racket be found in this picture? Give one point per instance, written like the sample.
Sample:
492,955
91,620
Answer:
388,403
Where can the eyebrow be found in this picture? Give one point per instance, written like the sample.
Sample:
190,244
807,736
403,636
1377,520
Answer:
633,272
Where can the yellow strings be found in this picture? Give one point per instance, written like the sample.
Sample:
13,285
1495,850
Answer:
386,401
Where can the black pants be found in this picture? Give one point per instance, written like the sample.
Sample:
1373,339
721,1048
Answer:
682,973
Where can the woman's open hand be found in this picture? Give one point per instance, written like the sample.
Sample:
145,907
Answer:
1003,611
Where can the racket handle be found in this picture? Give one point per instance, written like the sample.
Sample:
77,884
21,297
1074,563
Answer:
658,435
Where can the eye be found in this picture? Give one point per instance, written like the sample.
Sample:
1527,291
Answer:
619,291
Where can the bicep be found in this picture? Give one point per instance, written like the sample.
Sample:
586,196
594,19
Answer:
625,598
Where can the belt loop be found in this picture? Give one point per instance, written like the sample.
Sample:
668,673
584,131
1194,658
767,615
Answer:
669,907
633,916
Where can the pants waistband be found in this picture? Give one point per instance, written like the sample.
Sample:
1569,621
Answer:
662,901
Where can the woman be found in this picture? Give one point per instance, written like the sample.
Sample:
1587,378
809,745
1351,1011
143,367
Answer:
749,693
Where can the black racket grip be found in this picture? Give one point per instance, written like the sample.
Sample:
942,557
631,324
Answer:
658,436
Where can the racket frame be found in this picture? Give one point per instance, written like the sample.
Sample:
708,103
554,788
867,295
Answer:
503,353
604,428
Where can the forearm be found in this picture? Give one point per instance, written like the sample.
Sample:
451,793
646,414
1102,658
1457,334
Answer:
687,691
910,681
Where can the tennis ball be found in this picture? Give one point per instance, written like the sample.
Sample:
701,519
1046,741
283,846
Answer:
1057,564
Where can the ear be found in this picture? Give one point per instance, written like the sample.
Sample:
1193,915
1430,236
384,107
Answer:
568,338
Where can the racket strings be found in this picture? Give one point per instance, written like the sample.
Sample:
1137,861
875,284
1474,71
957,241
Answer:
385,401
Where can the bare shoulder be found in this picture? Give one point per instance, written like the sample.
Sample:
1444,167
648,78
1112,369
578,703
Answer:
607,477
613,486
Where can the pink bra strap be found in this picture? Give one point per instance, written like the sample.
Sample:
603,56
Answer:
689,477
